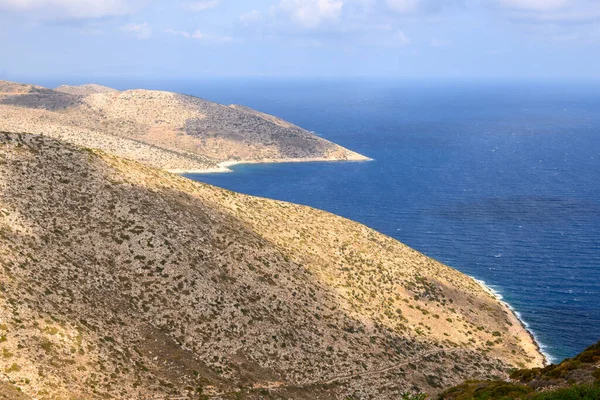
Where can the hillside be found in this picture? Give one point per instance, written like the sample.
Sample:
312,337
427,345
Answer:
123,281
161,129
574,378
85,90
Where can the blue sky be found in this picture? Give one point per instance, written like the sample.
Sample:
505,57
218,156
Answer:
288,38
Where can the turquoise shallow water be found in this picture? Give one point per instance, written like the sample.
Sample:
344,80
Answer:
500,181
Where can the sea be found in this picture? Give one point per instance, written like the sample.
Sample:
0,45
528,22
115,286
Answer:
498,179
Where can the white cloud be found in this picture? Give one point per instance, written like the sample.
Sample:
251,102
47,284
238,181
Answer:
403,6
401,38
559,21
554,12
440,42
536,5
567,37
311,13
184,34
251,17
198,6
141,31
380,22
573,16
198,35
72,9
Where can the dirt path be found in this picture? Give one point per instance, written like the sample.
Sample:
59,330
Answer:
366,374
376,372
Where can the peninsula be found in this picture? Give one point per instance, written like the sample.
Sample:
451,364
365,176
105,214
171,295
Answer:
165,130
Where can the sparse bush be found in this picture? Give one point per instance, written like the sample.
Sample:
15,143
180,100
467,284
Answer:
411,396
13,368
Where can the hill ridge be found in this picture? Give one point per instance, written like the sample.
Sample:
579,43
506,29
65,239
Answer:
196,135
127,281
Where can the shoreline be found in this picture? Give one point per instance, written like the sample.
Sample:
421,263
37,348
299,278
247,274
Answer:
223,167
548,359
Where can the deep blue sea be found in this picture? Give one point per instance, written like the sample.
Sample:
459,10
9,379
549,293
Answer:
498,180
501,181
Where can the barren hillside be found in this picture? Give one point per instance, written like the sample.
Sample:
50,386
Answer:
123,281
185,132
85,90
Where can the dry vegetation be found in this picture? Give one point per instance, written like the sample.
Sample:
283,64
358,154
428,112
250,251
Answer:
161,129
574,378
123,281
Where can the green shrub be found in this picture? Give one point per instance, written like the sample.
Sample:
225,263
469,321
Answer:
410,396
13,368
490,390
572,393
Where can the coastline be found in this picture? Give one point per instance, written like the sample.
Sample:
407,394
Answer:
547,358
223,167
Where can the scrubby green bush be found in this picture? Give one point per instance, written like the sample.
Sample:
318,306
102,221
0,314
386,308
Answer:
572,393
410,396
491,390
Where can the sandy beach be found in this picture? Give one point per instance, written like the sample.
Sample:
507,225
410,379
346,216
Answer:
224,166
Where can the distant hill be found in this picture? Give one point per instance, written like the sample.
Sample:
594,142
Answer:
85,90
123,281
162,129
574,378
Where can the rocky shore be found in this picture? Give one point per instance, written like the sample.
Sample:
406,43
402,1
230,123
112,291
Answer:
545,359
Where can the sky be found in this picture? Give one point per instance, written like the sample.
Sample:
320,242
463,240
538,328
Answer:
188,39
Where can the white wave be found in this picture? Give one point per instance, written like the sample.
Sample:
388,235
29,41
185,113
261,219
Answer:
496,292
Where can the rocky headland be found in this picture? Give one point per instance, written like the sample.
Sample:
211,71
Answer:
164,130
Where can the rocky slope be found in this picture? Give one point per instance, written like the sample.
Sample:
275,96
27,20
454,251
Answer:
85,90
162,129
123,281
